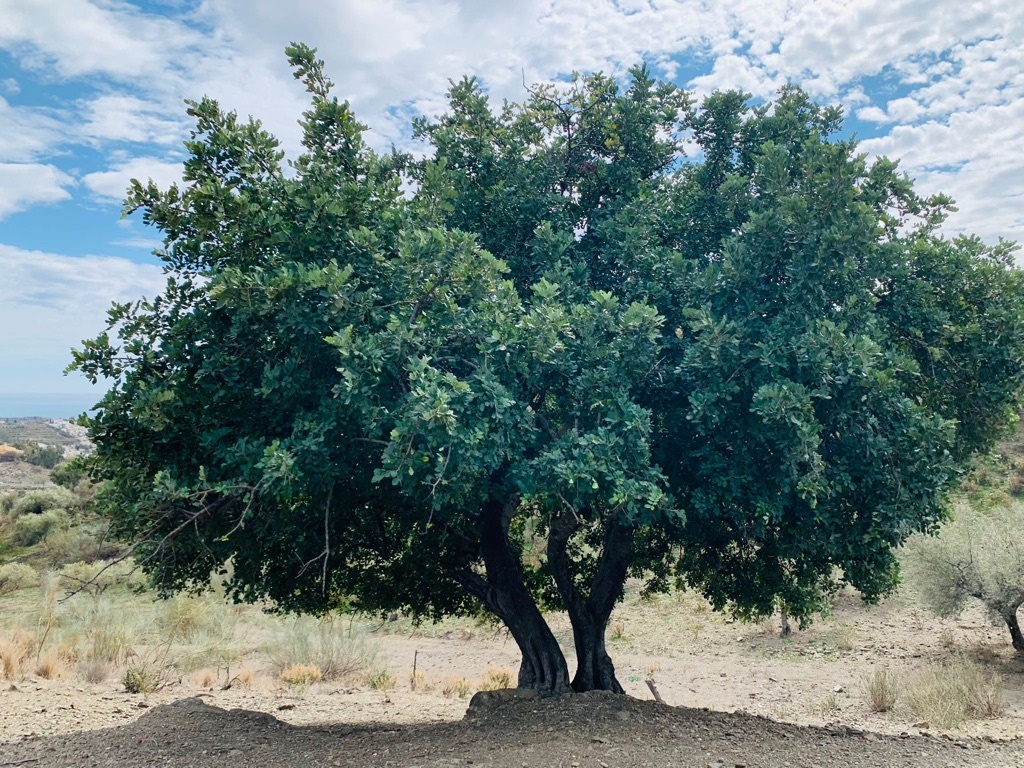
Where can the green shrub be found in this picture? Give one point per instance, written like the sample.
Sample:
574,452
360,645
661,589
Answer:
141,679
15,576
29,530
83,544
68,474
37,502
46,456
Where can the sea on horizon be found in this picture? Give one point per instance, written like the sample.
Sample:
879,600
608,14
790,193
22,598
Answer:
19,405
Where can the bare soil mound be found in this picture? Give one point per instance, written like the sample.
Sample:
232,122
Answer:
599,730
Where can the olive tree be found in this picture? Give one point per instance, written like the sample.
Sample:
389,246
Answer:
552,353
978,555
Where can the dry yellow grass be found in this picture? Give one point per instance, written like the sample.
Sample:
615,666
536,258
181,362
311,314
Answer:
205,677
301,674
947,695
15,648
243,678
455,686
495,678
52,665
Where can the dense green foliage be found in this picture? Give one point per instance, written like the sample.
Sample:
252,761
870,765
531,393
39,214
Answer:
569,353
47,456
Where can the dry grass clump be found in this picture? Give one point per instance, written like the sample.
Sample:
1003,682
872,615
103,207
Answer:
94,670
205,677
455,686
15,649
882,689
243,678
381,679
947,695
495,678
301,674
53,664
336,650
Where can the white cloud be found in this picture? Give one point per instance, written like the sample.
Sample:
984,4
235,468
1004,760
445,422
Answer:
977,157
25,184
392,58
112,184
77,37
27,132
122,117
49,303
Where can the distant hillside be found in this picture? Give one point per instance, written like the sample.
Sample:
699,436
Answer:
68,436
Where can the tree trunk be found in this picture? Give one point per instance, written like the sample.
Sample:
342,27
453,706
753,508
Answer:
1015,634
784,630
594,668
589,614
504,592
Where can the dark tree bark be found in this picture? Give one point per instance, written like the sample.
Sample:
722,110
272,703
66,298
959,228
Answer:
504,592
1015,634
589,614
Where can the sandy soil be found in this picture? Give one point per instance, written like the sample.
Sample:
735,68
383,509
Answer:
739,696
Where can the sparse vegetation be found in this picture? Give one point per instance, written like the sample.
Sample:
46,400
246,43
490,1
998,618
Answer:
381,679
882,688
494,679
947,695
455,686
338,651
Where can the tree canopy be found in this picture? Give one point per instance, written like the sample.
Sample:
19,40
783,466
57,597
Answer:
605,333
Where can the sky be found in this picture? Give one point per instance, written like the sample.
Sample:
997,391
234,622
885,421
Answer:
91,95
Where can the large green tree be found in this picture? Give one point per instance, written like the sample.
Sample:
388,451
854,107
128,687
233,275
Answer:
555,352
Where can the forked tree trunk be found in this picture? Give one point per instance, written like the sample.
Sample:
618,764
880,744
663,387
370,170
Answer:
589,614
1015,634
504,592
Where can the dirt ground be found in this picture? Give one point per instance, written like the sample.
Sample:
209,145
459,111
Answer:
19,475
737,695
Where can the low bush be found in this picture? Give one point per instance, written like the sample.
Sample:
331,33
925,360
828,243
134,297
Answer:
84,543
15,576
37,502
142,679
31,529
68,474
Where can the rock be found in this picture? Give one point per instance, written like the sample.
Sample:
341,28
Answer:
483,701
922,724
